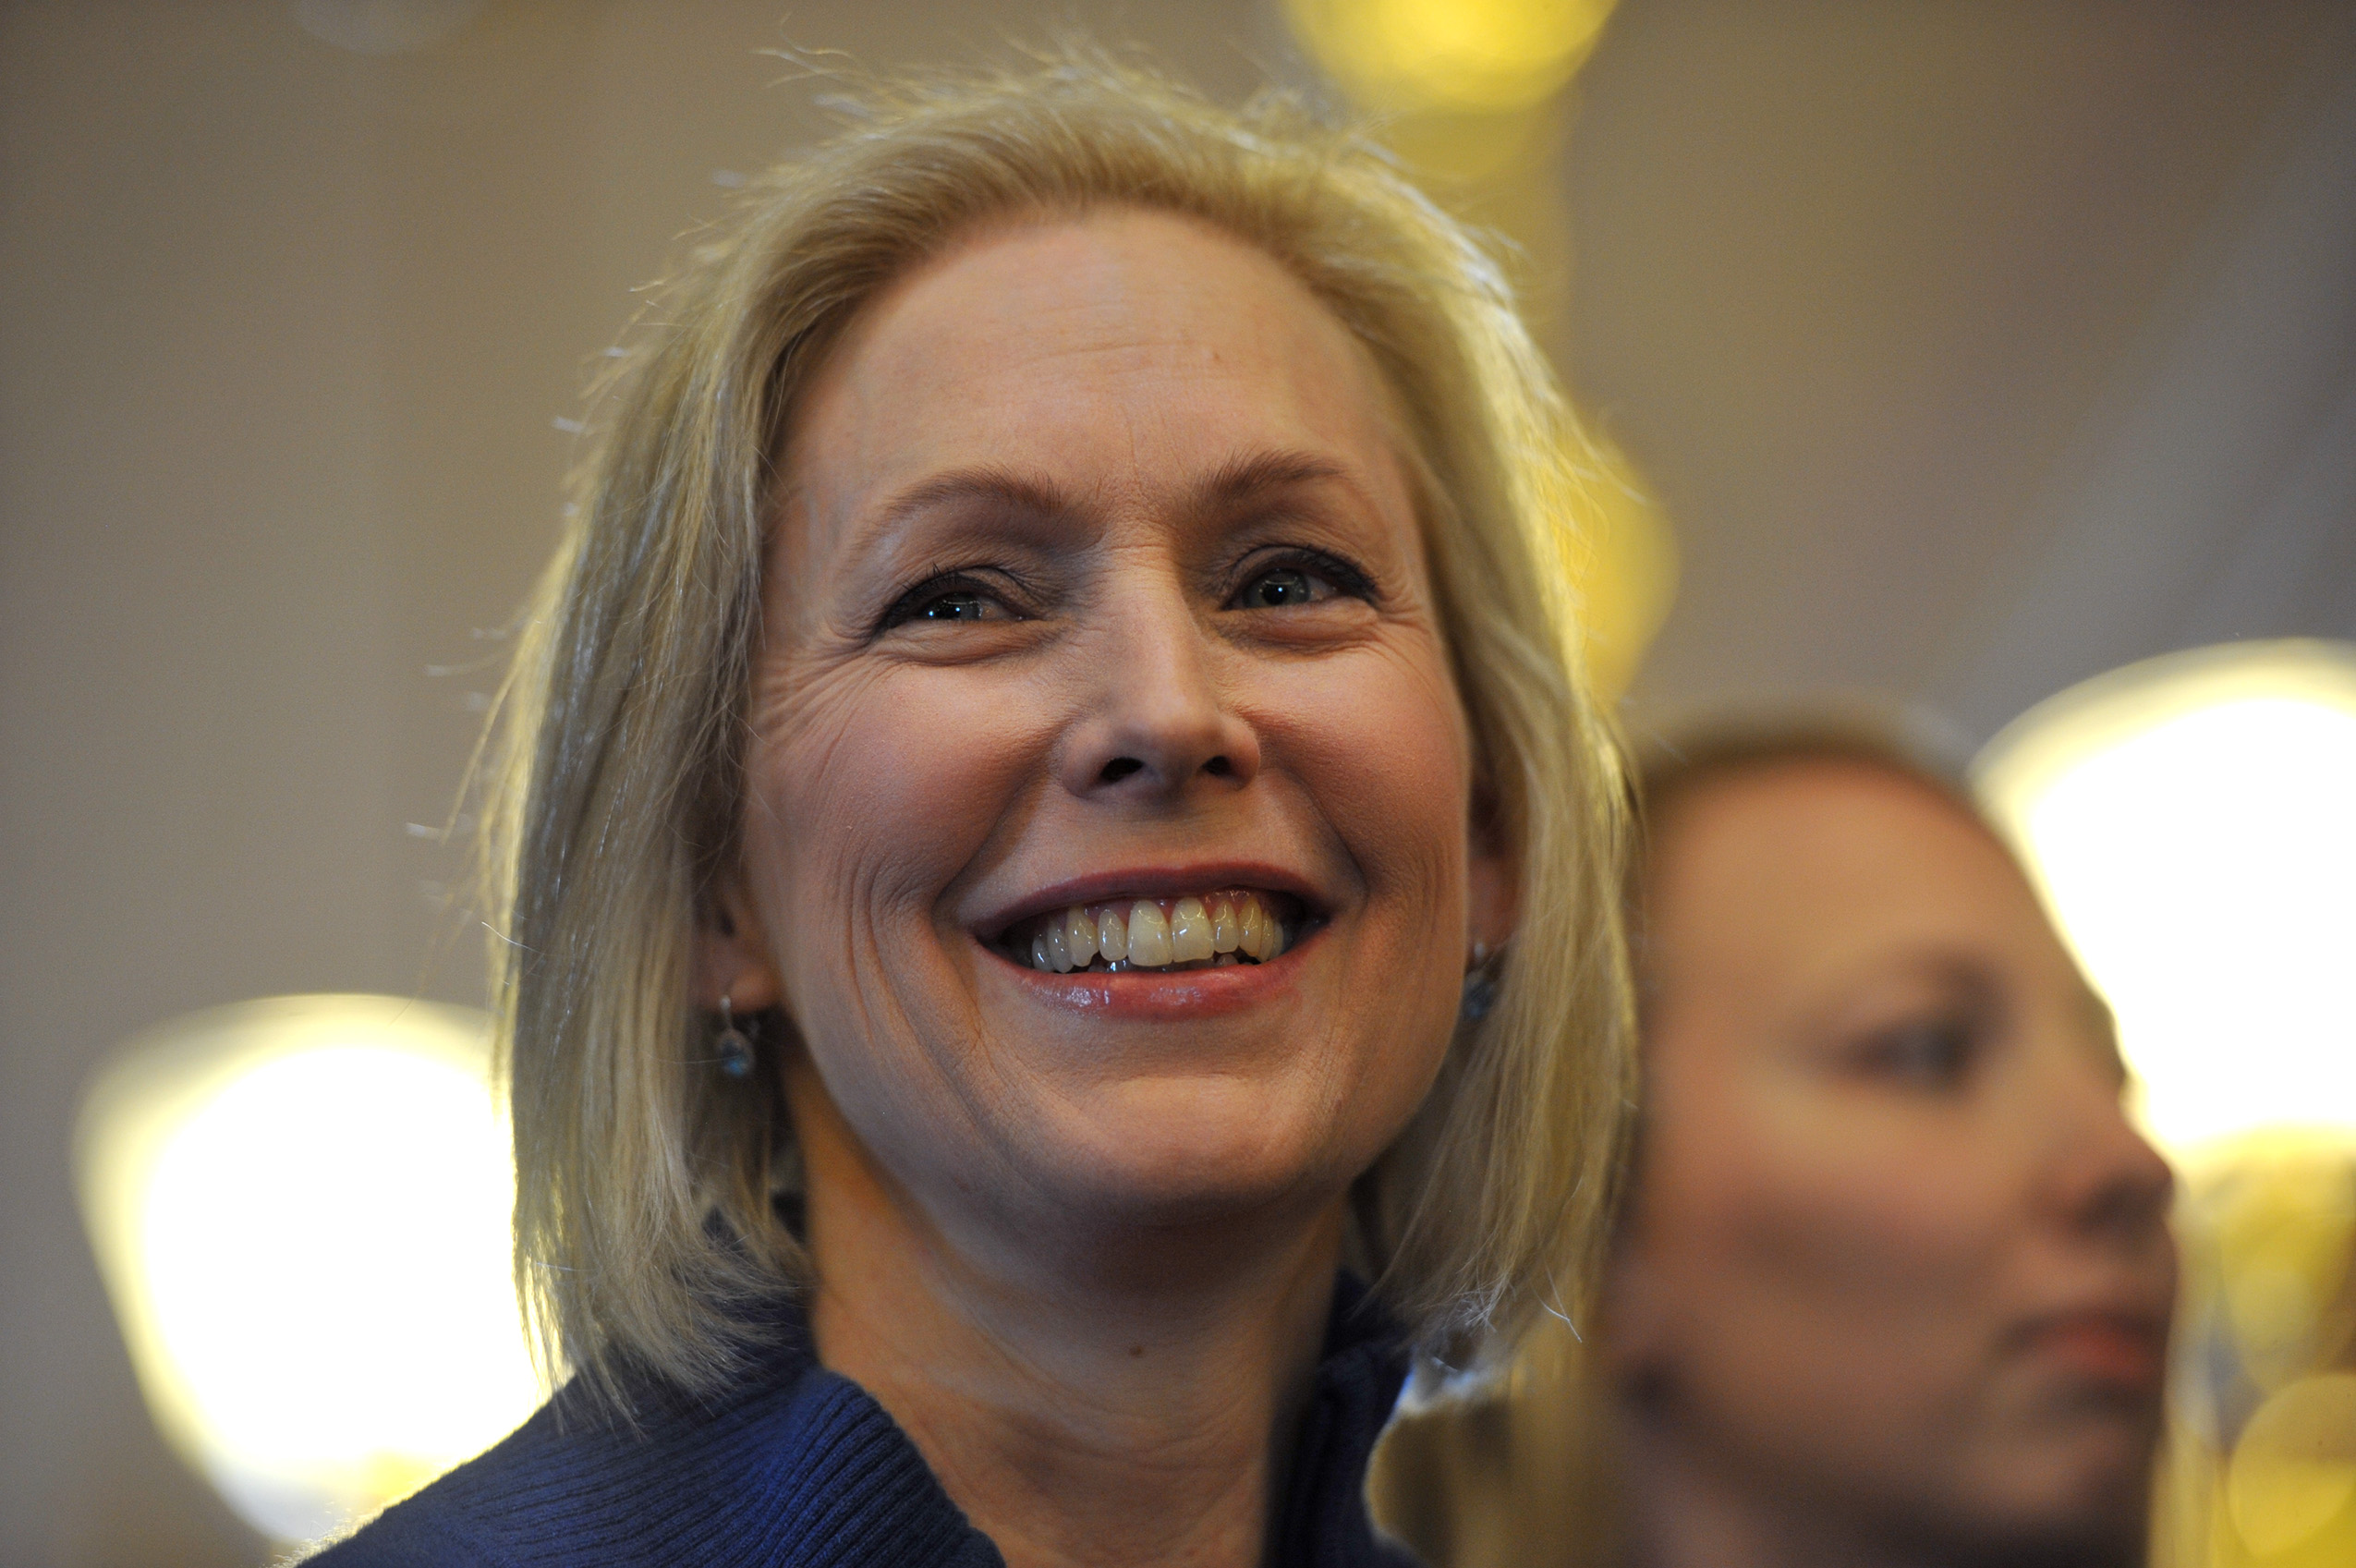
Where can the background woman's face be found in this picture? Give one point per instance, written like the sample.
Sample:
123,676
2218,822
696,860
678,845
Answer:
1895,1250
1100,581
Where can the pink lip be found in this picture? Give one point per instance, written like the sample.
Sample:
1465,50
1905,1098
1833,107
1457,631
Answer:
2123,1349
1148,882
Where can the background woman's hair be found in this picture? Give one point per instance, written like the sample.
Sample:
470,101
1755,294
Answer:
1669,770
645,1228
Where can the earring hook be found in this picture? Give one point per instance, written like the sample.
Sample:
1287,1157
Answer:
735,1048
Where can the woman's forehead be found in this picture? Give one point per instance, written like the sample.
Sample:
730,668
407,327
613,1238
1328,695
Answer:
1121,348
1803,865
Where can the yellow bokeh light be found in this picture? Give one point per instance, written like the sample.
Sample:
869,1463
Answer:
2192,822
1449,54
2277,1211
300,1207
2294,1469
2260,1466
1621,561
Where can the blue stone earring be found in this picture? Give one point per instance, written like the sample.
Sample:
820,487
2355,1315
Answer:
736,1048
1480,988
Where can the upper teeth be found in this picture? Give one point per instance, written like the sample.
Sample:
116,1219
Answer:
1156,934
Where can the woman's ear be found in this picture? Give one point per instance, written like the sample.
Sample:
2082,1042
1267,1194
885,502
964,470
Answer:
733,953
1493,882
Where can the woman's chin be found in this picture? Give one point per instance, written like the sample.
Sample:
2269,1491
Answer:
1171,1152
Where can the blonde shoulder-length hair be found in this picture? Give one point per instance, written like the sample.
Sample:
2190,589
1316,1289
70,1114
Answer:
647,1228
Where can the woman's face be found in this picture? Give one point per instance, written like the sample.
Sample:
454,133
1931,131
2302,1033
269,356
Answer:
1098,604
1895,1251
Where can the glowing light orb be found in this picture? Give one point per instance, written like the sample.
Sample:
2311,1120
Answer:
301,1207
1621,562
2192,822
1449,54
2294,1470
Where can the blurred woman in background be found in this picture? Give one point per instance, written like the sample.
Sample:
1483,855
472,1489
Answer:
1894,1281
1062,886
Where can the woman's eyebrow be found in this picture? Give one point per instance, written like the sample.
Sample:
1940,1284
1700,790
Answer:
1253,475
1002,488
1236,482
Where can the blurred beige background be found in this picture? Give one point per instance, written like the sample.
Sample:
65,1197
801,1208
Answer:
1970,347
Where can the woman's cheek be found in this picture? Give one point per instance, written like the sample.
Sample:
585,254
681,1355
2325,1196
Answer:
1380,744
897,776
1907,1222
1378,747
869,792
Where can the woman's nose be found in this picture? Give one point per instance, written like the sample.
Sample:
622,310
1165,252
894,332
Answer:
1157,720
2110,1181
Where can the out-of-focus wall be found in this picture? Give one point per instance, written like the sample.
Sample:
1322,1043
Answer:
1894,304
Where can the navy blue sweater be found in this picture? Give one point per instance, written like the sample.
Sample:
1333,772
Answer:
800,1467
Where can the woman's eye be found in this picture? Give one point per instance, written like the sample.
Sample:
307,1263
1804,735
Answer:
1928,1052
1282,587
937,601
956,607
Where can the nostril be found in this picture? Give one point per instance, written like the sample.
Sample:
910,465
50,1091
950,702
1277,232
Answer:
1218,767
1119,768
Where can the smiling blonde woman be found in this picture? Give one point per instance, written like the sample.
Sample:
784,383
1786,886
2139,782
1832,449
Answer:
1060,881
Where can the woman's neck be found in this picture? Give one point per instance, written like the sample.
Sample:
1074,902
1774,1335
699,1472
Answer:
1079,1406
1683,1510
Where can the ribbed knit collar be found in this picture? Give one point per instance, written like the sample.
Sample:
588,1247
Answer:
801,1468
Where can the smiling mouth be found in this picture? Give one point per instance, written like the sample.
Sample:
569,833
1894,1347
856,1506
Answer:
1156,935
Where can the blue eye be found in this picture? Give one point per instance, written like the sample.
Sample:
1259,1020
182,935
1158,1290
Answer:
1927,1052
1281,588
947,599
1313,579
954,607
